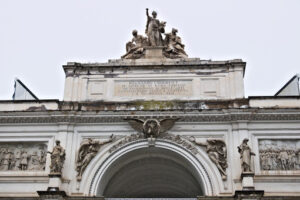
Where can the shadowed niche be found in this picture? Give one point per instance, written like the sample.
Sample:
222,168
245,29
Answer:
151,173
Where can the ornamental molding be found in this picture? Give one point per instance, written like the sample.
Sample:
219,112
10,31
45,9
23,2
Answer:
222,117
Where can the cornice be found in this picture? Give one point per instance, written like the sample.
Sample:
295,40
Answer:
117,117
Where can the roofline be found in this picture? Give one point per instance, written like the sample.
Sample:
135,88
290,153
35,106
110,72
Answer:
295,76
27,89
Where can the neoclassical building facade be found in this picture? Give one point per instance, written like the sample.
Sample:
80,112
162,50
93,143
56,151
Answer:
154,124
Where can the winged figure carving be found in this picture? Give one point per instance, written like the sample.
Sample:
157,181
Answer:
152,127
87,151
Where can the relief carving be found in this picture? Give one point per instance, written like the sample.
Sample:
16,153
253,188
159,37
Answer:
246,153
87,151
279,154
151,127
217,152
22,156
57,158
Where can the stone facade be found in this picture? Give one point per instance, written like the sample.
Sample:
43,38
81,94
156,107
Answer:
154,124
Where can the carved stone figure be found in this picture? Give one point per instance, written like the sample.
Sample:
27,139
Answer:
87,151
17,160
34,161
151,127
174,47
24,160
43,157
217,152
135,48
7,161
154,28
246,153
57,158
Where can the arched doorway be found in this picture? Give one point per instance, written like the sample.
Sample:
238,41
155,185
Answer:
151,173
139,171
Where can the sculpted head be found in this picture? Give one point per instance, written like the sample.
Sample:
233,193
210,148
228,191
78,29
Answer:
154,14
174,31
57,142
245,141
134,33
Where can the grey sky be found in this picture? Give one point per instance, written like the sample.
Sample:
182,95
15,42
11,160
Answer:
37,37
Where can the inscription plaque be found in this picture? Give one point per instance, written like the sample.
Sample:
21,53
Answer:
161,87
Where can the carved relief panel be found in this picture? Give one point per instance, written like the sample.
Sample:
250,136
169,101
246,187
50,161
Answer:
22,156
279,154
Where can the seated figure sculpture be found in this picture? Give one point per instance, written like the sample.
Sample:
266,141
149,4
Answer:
174,47
135,48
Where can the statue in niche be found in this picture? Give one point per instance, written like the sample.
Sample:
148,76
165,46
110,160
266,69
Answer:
151,127
174,47
24,160
217,152
135,48
87,151
57,158
246,153
154,29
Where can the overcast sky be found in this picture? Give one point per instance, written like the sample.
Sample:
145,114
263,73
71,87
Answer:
37,37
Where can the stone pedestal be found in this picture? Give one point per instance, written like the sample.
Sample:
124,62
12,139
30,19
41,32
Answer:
54,182
154,52
248,191
53,191
247,180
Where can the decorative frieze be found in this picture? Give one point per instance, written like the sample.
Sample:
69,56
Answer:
22,156
279,154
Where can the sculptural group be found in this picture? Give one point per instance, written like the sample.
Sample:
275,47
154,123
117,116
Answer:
171,43
279,155
22,157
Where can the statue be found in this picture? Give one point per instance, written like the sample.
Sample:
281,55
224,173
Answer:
87,151
135,48
246,153
217,152
152,127
57,158
174,47
154,28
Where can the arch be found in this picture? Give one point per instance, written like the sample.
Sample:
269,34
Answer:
102,171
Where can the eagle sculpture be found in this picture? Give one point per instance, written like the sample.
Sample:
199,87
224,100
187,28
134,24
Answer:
152,127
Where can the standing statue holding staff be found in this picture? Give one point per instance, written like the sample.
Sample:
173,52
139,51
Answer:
57,158
246,153
154,28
